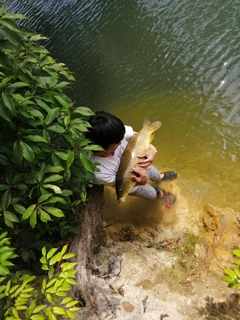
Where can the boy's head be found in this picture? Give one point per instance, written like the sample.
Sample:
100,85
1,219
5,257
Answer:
106,129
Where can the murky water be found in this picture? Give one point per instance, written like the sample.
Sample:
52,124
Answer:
174,61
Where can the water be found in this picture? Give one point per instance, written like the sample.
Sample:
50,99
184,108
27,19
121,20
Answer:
174,61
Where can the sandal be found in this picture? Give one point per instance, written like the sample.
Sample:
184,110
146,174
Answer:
167,197
169,175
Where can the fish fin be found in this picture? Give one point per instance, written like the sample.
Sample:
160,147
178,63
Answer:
151,137
146,122
155,125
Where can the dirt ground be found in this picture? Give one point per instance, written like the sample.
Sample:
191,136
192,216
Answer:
172,270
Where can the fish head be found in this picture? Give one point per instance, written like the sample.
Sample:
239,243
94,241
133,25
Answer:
123,187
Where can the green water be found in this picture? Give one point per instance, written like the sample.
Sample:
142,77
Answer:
173,61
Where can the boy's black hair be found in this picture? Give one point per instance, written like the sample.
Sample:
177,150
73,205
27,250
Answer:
106,129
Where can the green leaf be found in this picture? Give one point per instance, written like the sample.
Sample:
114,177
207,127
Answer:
54,177
27,151
10,216
6,199
45,267
66,192
33,219
233,284
53,169
4,160
3,9
12,36
10,24
54,211
61,85
51,252
39,308
87,163
64,249
8,223
68,256
4,187
8,101
55,258
4,270
37,37
35,138
70,158
93,147
236,252
37,317
44,251
5,61
70,314
43,260
17,152
84,111
11,15
19,84
237,262
3,235
68,266
19,208
28,211
61,155
56,128
72,303
22,186
63,100
230,272
237,271
43,105
44,197
4,113
56,189
55,199
52,114
67,120
58,310
44,216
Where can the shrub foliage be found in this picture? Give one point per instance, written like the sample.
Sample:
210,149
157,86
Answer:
45,167
232,276
44,163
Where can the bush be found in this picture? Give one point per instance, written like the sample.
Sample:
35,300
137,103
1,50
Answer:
44,159
232,276
18,297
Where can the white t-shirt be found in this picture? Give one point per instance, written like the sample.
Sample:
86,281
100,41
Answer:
109,165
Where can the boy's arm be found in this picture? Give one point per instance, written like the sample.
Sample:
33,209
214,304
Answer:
146,160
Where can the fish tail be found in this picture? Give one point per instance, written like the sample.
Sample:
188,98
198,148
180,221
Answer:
154,125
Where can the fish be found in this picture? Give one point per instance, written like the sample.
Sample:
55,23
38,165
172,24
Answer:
139,144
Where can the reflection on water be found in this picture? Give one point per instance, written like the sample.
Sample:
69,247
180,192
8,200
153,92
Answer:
174,61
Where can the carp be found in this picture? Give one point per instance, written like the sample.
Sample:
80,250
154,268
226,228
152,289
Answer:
138,145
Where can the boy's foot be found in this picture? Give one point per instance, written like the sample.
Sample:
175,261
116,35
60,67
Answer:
168,175
167,197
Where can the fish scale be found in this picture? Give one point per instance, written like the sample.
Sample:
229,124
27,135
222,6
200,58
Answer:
139,144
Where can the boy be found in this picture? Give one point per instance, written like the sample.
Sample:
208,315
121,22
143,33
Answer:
109,132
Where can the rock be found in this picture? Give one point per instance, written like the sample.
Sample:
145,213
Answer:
173,270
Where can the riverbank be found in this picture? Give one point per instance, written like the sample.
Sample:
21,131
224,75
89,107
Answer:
171,270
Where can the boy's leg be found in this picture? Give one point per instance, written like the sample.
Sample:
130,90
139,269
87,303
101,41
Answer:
147,192
154,175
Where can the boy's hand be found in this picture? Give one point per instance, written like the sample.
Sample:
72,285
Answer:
145,160
139,175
